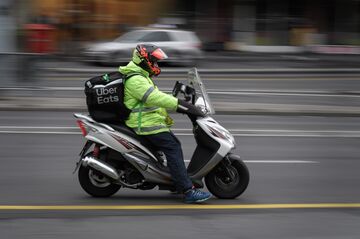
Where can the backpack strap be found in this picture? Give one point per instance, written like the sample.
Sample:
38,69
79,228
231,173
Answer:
141,103
131,75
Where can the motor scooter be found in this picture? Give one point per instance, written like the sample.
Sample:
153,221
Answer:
114,156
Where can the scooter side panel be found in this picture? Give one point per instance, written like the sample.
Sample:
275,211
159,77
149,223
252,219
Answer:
140,157
148,168
116,141
225,145
215,148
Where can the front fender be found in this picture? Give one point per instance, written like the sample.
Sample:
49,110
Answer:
232,156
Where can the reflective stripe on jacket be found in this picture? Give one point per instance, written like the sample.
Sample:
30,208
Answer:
147,103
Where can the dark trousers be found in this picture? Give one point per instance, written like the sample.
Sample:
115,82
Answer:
170,145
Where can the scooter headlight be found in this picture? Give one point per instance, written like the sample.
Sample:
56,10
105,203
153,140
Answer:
222,133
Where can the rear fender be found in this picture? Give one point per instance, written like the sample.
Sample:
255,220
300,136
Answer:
85,149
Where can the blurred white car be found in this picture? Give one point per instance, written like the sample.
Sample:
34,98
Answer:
182,47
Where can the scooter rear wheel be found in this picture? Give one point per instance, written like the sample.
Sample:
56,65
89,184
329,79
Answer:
96,184
224,187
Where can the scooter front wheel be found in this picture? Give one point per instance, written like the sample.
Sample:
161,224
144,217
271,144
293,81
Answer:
228,181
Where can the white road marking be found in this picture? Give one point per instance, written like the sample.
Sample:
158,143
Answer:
38,132
37,127
325,94
307,93
68,130
188,134
190,130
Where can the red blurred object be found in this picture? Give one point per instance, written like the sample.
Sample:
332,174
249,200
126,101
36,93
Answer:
40,38
82,127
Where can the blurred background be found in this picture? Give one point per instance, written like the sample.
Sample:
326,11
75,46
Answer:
46,45
284,78
192,32
62,26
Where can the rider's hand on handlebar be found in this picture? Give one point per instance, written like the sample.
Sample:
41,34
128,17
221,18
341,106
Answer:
187,108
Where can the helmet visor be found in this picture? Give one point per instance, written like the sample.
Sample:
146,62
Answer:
158,55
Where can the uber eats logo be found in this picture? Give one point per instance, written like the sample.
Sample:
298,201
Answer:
107,95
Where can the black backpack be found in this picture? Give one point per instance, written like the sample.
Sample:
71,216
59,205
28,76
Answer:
105,97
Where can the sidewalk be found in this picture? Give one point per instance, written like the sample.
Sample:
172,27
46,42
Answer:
225,64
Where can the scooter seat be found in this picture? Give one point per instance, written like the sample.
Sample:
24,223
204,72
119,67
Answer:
125,130
129,132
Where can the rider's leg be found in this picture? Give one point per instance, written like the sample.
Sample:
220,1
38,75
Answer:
170,145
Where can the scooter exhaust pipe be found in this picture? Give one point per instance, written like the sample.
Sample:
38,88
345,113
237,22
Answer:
101,167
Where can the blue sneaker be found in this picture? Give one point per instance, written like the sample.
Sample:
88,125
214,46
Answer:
195,195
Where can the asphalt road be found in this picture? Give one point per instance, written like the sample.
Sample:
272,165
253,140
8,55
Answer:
306,164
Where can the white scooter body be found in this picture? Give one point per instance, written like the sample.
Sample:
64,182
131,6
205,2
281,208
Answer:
145,160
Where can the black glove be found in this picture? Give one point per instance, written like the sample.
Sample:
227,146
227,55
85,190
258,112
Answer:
187,108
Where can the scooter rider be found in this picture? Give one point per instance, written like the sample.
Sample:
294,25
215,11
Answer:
149,118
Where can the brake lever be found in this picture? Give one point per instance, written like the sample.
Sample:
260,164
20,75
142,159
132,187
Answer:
176,89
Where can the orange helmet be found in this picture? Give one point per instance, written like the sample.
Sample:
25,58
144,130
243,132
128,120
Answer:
149,55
